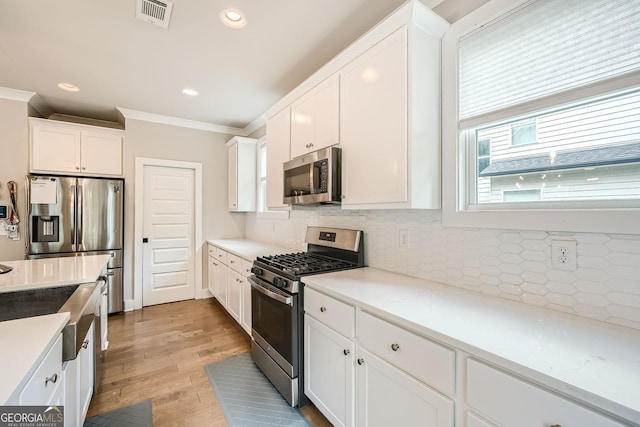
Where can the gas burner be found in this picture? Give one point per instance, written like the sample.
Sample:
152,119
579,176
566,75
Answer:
302,263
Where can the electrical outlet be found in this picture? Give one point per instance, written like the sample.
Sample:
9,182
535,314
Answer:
564,255
403,238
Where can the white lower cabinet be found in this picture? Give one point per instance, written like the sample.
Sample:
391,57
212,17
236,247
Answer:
234,294
228,283
510,401
45,385
246,296
79,377
472,420
361,388
329,372
386,396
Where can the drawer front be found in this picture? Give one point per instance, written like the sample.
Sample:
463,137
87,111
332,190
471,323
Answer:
246,268
221,255
38,390
213,251
429,362
333,313
235,262
510,401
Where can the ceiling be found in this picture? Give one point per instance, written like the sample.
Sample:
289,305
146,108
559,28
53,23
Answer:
119,61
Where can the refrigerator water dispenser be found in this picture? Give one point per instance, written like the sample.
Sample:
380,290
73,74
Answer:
45,229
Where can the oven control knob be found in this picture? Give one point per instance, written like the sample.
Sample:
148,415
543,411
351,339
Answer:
257,271
280,282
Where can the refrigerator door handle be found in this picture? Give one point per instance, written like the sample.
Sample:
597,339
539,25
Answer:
79,201
73,228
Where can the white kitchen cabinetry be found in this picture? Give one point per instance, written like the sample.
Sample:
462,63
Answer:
79,374
229,285
510,401
246,296
390,120
315,118
329,374
69,148
278,152
241,156
386,396
234,287
372,391
47,383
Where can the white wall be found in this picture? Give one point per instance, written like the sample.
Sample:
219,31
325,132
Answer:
160,141
14,165
512,264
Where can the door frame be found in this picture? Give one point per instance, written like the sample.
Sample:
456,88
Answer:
141,162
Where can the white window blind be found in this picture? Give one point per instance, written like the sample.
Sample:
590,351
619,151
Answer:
546,48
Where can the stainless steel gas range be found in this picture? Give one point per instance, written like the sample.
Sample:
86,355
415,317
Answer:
277,295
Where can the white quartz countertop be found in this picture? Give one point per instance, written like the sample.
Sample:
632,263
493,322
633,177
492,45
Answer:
591,361
23,345
50,272
249,249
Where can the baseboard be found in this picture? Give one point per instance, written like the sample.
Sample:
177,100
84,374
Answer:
129,305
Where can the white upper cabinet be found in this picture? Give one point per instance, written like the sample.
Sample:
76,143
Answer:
69,148
241,156
390,119
315,118
278,152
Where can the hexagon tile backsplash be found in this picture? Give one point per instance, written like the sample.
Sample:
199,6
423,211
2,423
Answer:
511,264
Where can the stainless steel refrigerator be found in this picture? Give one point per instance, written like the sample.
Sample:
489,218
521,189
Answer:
76,216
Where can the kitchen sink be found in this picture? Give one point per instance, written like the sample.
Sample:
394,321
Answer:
79,300
34,302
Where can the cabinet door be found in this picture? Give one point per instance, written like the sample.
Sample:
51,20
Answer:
232,177
373,124
221,284
101,153
212,276
55,149
328,372
327,113
387,396
234,289
302,125
85,370
278,151
246,296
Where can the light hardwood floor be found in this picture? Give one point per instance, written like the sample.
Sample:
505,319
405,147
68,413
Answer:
159,353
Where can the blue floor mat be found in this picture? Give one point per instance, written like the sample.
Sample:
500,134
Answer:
137,415
247,397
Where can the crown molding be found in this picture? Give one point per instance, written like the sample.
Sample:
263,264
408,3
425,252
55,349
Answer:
16,94
177,121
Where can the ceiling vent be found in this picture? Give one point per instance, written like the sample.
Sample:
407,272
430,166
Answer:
154,12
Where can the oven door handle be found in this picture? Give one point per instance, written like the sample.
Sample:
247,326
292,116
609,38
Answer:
280,298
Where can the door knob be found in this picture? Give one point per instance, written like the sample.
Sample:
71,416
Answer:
145,240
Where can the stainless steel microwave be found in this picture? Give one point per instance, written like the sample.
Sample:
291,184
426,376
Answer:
313,178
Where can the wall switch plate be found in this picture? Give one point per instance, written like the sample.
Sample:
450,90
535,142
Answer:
564,255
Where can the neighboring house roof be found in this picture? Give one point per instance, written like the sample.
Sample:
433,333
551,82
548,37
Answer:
568,159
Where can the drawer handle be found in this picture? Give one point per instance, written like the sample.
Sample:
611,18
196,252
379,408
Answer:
396,347
346,351
360,361
85,344
323,309
556,425
52,379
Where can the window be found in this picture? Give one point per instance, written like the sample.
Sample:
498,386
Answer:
523,132
553,134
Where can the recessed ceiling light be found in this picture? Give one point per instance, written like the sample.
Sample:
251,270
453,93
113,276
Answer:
190,92
233,18
68,87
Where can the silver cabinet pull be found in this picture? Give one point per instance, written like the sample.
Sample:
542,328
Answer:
360,361
85,344
52,379
395,347
346,351
323,309
556,425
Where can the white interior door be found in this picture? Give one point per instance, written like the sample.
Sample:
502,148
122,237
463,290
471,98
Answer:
169,249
